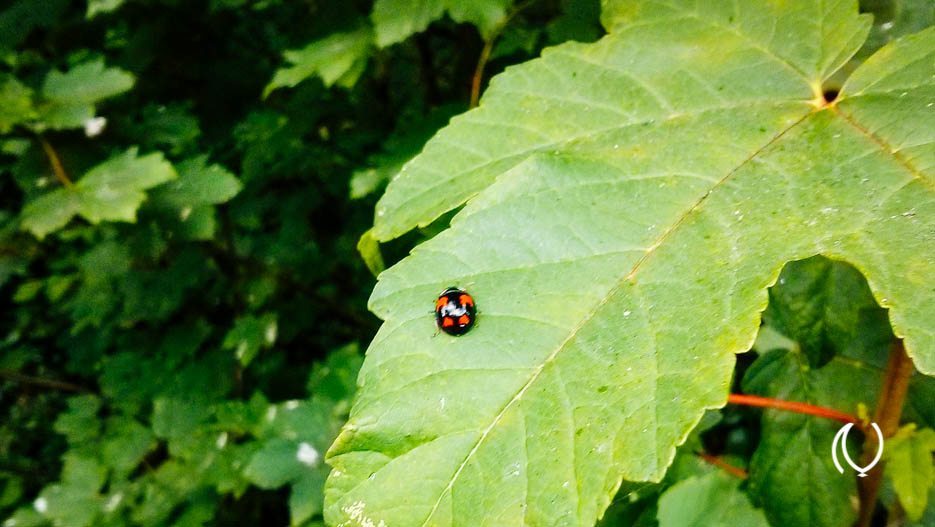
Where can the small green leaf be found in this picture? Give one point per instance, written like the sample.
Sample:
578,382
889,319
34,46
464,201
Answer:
198,184
910,467
713,500
174,417
369,249
15,104
88,82
96,7
68,505
186,203
111,191
74,502
251,334
80,423
28,517
306,421
83,472
71,96
395,20
366,181
337,59
50,212
27,291
171,128
276,464
335,380
126,443
305,499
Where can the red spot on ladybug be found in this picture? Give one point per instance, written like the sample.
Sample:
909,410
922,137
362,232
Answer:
455,312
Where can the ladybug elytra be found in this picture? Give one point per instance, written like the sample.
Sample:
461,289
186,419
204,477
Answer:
455,311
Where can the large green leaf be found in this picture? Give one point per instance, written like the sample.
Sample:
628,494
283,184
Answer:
630,201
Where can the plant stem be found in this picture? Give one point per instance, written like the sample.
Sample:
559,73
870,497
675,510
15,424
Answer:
887,415
488,47
39,381
57,168
721,464
792,406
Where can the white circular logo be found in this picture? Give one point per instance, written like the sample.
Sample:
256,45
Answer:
842,437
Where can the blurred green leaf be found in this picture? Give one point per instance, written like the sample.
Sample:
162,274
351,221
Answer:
251,334
305,499
16,104
170,127
71,96
909,465
80,422
713,500
75,502
28,517
401,146
19,17
893,19
928,517
306,421
111,191
338,59
335,379
126,443
96,7
27,291
187,201
276,464
174,417
395,20
198,184
797,444
827,308
369,249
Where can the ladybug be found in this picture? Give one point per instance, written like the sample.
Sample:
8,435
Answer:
455,312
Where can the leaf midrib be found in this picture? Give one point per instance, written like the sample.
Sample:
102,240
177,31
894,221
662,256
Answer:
610,293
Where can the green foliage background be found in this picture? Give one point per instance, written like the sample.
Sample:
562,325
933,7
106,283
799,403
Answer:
184,297
197,300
